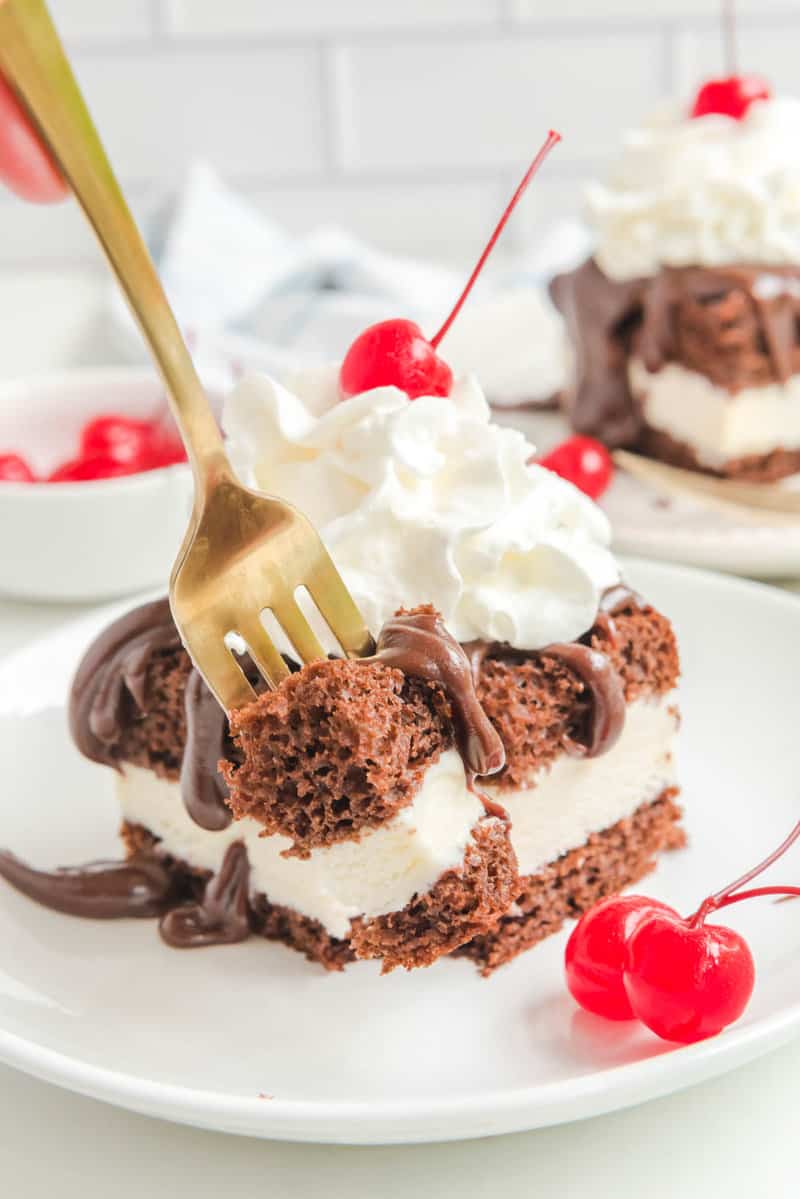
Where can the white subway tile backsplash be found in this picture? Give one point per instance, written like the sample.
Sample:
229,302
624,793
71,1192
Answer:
488,103
437,220
112,19
323,17
248,112
638,11
406,122
549,199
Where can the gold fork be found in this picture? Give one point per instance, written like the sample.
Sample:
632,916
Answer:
244,553
760,503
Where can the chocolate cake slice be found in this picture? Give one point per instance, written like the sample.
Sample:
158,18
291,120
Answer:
434,799
338,814
685,320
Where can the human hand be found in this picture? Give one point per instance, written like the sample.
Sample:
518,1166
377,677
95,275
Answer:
25,165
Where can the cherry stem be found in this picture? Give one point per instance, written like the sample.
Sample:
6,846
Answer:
754,893
729,35
552,139
721,898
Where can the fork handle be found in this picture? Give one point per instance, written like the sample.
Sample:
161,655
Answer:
35,64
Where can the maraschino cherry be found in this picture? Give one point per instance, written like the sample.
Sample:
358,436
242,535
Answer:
396,353
684,979
687,981
731,96
595,955
582,461
112,446
14,469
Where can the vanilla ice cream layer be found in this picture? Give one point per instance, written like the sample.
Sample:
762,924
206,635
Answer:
575,797
377,874
717,424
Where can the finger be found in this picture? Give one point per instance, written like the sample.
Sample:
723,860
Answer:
25,165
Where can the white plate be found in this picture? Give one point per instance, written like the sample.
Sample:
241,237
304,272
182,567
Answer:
200,1037
677,530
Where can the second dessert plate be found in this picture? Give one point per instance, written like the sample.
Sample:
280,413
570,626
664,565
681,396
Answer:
678,529
252,1039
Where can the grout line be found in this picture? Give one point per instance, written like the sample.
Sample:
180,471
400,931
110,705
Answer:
329,109
498,174
506,18
669,58
257,42
505,27
158,11
341,118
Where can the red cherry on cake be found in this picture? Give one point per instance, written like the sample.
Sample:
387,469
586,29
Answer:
396,353
595,955
687,981
14,469
582,461
730,97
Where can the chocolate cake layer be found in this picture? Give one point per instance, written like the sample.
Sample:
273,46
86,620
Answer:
136,698
737,326
153,735
466,901
339,747
752,468
536,702
539,705
610,861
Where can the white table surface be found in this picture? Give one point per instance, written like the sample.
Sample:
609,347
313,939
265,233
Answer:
735,1136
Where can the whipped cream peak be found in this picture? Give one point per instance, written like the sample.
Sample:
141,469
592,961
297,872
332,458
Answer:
428,501
704,191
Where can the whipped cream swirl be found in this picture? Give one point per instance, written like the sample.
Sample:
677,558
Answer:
427,501
710,191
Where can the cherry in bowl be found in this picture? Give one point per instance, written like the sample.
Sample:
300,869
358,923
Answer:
98,533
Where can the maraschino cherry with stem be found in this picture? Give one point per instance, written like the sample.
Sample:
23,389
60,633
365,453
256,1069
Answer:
396,353
594,959
732,95
683,978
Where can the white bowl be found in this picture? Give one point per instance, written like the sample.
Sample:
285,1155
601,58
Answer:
93,540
